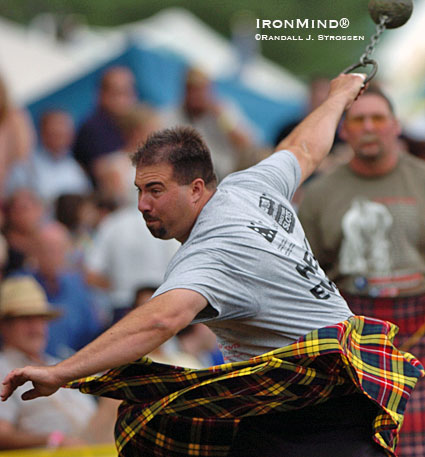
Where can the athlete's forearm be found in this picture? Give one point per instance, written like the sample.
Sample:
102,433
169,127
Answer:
134,336
126,341
312,139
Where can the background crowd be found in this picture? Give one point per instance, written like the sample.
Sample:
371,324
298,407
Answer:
75,254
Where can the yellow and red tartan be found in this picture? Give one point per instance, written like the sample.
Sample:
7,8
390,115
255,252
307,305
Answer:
173,411
408,313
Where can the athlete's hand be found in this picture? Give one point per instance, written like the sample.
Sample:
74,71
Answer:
349,86
44,380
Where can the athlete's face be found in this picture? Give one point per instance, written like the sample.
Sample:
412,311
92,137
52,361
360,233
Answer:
167,206
370,128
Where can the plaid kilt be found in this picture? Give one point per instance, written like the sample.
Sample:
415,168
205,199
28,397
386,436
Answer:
173,411
408,313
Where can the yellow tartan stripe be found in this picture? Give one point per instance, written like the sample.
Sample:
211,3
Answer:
367,359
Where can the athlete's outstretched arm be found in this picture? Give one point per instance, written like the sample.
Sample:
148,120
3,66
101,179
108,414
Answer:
312,139
134,336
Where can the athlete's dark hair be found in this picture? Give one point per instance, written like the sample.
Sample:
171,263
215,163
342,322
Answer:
181,147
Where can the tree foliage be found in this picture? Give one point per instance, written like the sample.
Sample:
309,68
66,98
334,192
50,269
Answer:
302,57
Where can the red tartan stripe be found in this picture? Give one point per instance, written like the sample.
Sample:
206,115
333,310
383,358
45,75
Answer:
408,313
413,445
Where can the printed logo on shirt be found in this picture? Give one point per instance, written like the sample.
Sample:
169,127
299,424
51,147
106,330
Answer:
268,233
366,246
282,215
309,269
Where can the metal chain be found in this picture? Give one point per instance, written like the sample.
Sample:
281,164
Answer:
374,40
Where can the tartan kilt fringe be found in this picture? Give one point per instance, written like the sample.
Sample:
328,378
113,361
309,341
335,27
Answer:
173,411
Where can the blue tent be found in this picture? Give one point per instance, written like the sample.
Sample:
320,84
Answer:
159,75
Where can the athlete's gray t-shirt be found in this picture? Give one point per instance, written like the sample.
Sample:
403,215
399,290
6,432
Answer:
248,256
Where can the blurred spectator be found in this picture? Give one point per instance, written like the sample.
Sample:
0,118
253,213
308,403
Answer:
366,225
17,137
76,212
4,255
52,170
55,170
229,135
143,294
2,218
125,255
66,290
414,146
100,133
80,215
24,215
318,91
67,417
200,342
114,172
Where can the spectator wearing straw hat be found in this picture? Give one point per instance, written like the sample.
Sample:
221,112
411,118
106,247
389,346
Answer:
61,420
